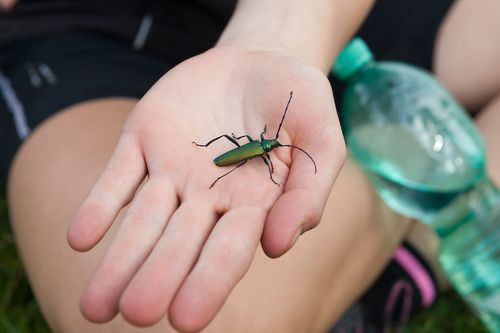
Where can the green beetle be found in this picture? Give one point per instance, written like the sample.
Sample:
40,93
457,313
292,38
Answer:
254,148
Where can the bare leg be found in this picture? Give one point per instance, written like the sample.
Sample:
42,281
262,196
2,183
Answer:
303,291
467,57
488,122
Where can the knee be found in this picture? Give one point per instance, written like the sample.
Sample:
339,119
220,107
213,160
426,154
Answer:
467,53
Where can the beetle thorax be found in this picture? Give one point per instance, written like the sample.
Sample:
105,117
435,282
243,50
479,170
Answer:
269,145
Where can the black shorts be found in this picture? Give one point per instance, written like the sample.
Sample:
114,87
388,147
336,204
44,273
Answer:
42,76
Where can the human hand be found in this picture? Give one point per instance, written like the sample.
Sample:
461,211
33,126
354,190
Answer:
182,247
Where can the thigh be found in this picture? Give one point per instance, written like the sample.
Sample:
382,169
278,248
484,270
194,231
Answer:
488,123
303,291
467,51
50,175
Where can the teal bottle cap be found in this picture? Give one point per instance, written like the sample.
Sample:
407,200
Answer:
354,56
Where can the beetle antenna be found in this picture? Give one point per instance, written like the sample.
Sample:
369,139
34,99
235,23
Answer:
302,150
284,114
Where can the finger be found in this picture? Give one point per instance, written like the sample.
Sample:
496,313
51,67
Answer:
224,260
147,297
301,205
142,225
112,191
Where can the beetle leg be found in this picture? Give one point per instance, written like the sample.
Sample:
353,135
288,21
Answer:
250,139
217,138
227,173
270,161
263,132
269,166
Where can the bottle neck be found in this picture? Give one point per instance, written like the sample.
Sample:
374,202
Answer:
359,70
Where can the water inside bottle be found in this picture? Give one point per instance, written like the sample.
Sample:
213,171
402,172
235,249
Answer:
415,173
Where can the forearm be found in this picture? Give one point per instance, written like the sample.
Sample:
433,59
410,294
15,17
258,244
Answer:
313,31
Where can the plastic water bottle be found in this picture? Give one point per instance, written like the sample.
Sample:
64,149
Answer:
469,232
413,139
427,160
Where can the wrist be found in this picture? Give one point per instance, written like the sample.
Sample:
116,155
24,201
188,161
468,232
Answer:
313,33
279,44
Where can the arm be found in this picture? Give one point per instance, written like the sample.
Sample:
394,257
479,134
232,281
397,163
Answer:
314,32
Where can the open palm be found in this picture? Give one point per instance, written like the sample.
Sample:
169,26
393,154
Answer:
182,246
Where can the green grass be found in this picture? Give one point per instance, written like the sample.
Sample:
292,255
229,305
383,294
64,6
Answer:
20,313
449,315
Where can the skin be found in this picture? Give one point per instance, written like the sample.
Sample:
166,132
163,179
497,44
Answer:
239,87
239,82
467,43
264,207
7,5
298,292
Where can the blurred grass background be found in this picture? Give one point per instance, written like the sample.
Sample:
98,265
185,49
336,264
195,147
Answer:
19,312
